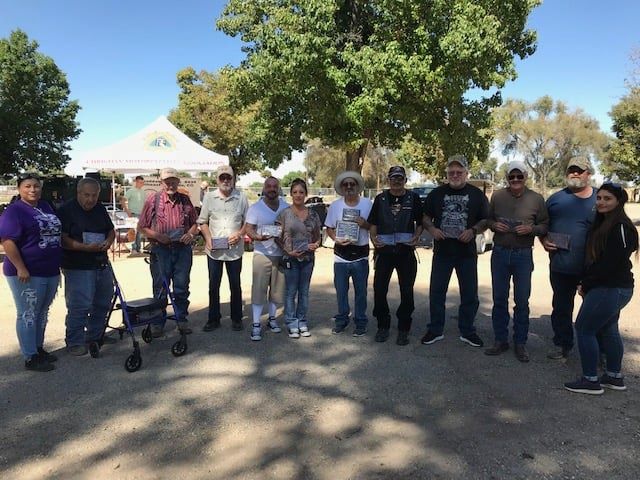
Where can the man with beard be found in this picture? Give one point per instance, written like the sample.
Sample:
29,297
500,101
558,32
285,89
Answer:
571,212
351,255
268,275
222,218
454,214
517,215
168,220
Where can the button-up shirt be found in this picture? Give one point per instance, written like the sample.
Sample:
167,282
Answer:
171,216
224,216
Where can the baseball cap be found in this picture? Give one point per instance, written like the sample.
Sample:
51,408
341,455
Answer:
224,170
460,159
516,165
580,162
397,170
168,173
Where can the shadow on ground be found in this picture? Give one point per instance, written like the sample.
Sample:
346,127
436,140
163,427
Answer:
326,407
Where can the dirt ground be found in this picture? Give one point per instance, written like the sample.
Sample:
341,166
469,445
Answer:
320,408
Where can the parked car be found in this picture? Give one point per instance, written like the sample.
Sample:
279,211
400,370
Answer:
424,190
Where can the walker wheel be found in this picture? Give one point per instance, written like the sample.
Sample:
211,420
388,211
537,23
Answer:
146,334
179,348
133,363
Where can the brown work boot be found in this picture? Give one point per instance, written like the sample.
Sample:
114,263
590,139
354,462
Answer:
521,353
497,349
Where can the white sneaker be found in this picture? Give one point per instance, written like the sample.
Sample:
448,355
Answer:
273,325
294,333
256,333
304,332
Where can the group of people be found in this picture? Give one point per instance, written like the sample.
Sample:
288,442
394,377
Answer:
589,238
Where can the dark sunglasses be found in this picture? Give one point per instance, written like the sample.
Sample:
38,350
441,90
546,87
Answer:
27,176
349,184
516,177
577,170
225,177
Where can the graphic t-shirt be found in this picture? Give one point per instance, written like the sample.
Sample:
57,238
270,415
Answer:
454,211
36,233
337,214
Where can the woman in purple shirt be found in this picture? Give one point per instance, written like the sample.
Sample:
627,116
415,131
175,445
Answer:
30,234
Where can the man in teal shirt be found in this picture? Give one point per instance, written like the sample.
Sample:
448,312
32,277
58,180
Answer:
132,203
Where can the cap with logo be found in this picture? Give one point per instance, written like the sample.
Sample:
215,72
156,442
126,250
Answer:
581,162
397,171
168,173
224,170
460,160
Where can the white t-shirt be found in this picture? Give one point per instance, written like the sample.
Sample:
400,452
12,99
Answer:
334,215
260,214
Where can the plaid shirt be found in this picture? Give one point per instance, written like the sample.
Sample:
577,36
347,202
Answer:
170,215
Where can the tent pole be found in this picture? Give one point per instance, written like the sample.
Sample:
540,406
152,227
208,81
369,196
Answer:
113,192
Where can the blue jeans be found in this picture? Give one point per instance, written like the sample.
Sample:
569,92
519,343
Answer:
508,263
564,292
173,264
135,246
88,294
234,269
466,269
297,280
598,317
359,272
32,301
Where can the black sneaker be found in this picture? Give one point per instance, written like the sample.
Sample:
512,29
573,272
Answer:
339,328
211,325
37,364
472,339
613,383
44,355
360,331
430,338
382,335
561,353
582,385
403,338
236,325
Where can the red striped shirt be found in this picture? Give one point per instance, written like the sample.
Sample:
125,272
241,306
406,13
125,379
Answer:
171,214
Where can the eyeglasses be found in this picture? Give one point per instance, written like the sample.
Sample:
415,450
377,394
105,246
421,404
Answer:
456,173
397,178
516,177
349,184
225,178
574,169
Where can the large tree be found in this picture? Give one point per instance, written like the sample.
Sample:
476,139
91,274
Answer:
207,113
361,72
546,134
624,153
37,119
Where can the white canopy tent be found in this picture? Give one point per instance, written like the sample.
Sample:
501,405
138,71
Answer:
158,145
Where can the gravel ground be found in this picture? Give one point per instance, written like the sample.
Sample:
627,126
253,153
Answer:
325,407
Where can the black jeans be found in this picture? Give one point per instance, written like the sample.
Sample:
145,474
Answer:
564,292
406,267
234,267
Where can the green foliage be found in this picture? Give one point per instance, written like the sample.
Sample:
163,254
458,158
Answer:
207,113
625,149
323,163
356,73
291,176
37,119
546,134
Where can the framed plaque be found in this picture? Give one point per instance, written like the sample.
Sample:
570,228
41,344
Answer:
347,231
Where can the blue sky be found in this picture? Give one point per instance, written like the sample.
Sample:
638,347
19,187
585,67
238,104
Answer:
121,56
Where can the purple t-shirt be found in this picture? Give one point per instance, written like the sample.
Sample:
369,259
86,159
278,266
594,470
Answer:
36,233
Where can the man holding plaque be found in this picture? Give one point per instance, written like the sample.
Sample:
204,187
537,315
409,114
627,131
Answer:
168,220
454,213
87,235
571,212
347,226
395,226
517,215
222,218
268,275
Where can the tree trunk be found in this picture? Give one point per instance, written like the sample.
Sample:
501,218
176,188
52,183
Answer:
355,158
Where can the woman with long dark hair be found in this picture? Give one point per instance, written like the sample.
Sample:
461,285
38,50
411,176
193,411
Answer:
299,240
607,287
30,234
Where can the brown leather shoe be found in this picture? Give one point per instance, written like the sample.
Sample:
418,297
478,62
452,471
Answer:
521,353
497,349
